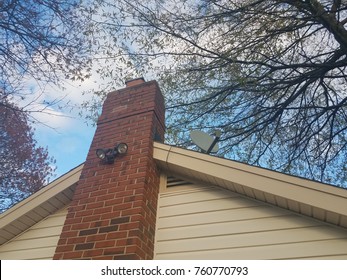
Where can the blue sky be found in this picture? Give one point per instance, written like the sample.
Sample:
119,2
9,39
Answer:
66,135
68,142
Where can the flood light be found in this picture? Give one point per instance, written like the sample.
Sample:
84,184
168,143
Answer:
109,155
101,153
122,148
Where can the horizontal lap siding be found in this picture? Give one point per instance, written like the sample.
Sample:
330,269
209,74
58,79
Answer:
209,223
38,242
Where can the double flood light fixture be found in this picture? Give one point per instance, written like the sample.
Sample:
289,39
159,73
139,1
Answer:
109,155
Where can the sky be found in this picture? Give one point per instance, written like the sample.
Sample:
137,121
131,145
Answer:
68,143
66,135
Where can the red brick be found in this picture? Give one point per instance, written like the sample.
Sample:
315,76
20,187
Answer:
114,251
62,241
137,203
86,200
98,193
72,221
95,205
92,253
74,240
105,244
135,249
132,211
121,242
117,235
120,220
100,223
136,217
81,196
105,197
124,193
88,232
102,210
58,256
122,206
129,226
136,233
66,234
110,215
84,213
70,215
66,228
96,237
80,226
91,218
64,248
108,229
84,246
113,201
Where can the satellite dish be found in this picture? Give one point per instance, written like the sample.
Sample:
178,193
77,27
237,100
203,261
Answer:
205,141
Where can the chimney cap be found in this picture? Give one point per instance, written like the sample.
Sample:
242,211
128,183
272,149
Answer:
134,82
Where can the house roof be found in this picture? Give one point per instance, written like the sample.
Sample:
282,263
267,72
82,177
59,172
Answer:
313,199
38,206
321,201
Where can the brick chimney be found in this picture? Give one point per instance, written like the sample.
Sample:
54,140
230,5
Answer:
113,211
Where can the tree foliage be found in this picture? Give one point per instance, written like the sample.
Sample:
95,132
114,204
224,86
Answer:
41,41
24,167
270,74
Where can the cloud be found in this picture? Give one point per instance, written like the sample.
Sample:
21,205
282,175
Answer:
52,119
60,128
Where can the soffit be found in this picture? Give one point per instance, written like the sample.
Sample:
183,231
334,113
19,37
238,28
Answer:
324,202
38,206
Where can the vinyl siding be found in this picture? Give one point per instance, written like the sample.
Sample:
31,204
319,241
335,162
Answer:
38,242
198,222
